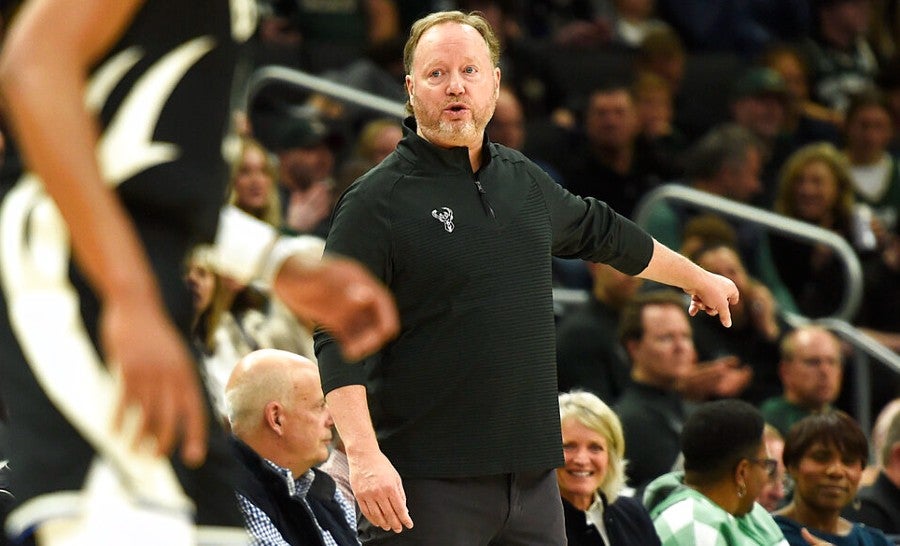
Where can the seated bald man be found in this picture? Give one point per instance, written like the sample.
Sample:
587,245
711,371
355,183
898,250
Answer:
281,430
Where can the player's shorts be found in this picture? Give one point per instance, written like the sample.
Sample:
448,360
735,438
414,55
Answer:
60,395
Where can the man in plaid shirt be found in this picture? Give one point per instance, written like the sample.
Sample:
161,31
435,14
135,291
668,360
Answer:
281,430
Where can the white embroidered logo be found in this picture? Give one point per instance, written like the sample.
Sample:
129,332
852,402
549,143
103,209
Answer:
445,216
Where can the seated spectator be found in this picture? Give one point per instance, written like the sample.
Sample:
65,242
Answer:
756,327
808,121
706,230
377,139
281,432
758,102
811,371
824,455
306,150
816,187
713,502
773,494
874,171
727,163
253,183
879,503
593,477
841,61
607,163
588,353
877,439
654,102
655,331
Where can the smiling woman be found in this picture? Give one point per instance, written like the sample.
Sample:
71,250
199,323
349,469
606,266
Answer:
594,475
824,455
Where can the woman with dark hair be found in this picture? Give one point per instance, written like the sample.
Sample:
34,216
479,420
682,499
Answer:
593,477
725,467
824,455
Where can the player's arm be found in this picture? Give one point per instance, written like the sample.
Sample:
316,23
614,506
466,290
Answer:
43,70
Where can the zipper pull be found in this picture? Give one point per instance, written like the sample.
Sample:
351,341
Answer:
485,202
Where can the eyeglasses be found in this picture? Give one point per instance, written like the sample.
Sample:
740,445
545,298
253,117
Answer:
771,465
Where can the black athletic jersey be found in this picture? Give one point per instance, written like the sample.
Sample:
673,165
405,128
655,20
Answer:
161,95
167,110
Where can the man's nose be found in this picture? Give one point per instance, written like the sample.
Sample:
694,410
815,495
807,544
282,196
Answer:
455,85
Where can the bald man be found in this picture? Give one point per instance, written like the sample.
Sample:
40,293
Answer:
281,430
811,372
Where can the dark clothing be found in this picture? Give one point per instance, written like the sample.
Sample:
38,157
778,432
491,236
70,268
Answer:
166,80
860,535
781,414
469,386
749,345
586,175
502,510
627,524
652,420
588,353
817,289
879,506
265,488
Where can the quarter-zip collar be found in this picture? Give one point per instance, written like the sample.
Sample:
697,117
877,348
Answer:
430,157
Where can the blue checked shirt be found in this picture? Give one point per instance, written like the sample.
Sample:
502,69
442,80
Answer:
260,526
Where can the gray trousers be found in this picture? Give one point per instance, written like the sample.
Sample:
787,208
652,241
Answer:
523,508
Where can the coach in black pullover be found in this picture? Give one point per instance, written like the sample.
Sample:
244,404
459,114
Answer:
463,236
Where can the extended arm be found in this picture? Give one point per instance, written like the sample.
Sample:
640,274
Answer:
709,292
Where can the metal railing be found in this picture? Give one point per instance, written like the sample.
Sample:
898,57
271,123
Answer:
772,222
267,75
866,348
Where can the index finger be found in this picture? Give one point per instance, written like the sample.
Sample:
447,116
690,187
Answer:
725,316
193,447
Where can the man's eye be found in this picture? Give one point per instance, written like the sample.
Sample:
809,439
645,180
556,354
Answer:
436,73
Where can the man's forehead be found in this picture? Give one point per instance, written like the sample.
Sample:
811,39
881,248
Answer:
435,39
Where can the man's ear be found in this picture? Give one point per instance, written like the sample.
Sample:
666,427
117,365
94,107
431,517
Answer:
273,414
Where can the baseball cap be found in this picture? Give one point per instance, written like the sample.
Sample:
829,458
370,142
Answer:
302,132
759,81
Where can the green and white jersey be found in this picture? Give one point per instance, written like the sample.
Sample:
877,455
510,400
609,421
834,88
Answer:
686,517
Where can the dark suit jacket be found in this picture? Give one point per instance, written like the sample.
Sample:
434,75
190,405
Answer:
627,523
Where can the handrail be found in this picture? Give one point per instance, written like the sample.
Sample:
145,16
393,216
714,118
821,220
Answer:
267,74
796,229
866,349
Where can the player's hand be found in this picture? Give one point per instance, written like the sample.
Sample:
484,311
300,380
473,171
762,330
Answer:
714,297
344,298
158,377
379,491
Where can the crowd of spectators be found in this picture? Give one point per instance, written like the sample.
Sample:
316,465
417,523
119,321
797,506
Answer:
787,106
790,106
